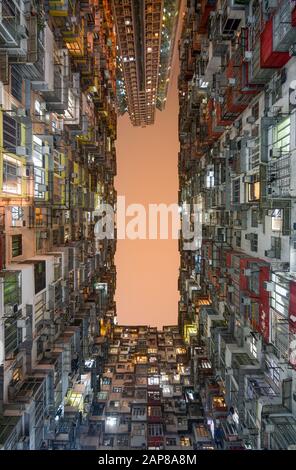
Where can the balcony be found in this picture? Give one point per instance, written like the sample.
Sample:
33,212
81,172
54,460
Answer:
284,27
206,7
57,98
269,56
57,7
13,30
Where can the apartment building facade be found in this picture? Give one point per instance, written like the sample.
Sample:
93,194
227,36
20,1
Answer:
146,399
146,38
237,150
57,166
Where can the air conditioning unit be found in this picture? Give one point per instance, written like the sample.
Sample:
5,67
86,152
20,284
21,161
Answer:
21,112
21,323
273,190
248,179
47,315
251,143
43,235
247,272
251,20
248,56
74,175
275,152
251,119
230,288
48,353
269,427
246,300
268,286
42,188
21,151
45,150
269,253
11,309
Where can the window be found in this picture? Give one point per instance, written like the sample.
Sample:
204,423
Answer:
276,247
16,83
17,245
40,307
155,430
40,276
238,238
12,180
12,288
114,404
171,441
210,178
254,242
11,133
185,441
154,411
138,429
273,371
153,380
139,411
282,135
254,218
12,335
17,215
253,347
253,279
39,172
254,191
236,191
255,110
117,389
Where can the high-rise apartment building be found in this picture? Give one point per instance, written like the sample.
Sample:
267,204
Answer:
146,37
237,136
146,398
57,165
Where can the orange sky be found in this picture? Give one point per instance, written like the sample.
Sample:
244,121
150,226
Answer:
147,172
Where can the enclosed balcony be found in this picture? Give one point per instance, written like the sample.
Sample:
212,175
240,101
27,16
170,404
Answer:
284,27
270,57
13,29
57,7
207,6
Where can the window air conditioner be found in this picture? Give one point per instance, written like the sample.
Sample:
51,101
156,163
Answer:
251,119
268,286
21,151
42,188
10,309
248,56
246,300
269,253
45,150
251,143
21,112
